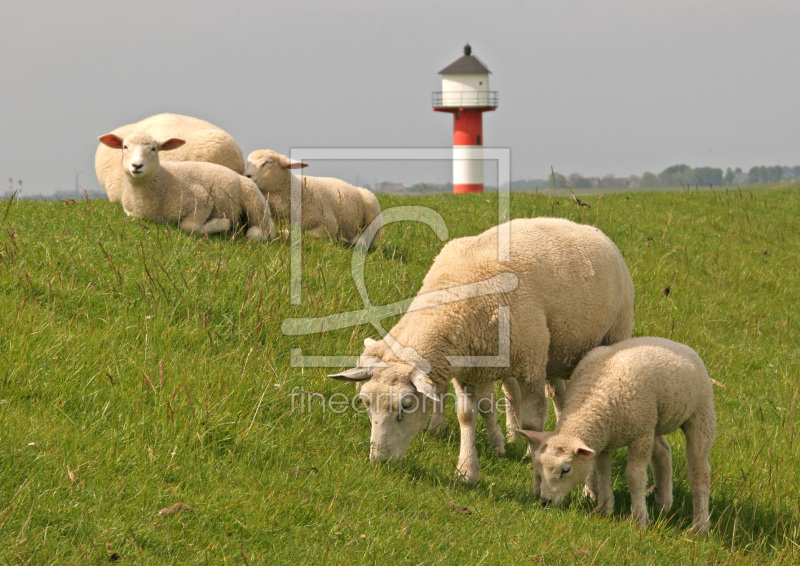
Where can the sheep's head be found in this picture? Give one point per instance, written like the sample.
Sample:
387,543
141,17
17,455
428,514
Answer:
560,463
140,152
399,399
269,169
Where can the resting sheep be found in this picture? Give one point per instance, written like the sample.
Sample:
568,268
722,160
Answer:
204,142
565,290
331,208
198,196
631,394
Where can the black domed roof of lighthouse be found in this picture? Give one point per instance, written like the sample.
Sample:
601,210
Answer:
467,64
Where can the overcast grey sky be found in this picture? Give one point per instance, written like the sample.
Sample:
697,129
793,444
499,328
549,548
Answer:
587,86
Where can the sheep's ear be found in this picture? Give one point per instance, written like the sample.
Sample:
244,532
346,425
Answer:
580,449
355,374
111,140
424,384
171,143
534,436
369,341
296,165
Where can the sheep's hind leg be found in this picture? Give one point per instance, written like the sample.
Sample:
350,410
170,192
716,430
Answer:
661,464
485,394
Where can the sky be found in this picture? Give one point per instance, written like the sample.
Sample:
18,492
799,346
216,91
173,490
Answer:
594,87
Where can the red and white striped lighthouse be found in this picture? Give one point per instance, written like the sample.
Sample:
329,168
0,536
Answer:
465,94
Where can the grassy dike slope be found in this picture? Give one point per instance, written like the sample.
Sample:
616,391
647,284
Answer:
141,367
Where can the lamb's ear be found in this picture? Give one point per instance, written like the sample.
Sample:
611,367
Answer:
355,374
534,436
171,143
111,140
580,449
424,384
369,341
297,165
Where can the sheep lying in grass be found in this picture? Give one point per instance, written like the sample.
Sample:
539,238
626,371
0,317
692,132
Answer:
631,394
199,197
564,290
331,208
204,142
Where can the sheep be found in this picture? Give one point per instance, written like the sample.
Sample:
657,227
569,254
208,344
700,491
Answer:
330,208
631,394
564,290
200,197
204,142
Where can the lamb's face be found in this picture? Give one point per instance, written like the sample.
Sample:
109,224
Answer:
140,156
560,463
396,409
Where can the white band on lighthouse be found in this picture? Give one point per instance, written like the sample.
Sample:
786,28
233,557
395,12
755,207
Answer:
467,165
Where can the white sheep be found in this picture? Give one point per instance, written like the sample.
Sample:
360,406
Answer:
204,142
330,208
198,196
565,290
631,394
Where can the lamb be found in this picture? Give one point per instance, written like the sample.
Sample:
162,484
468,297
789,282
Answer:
631,394
200,197
565,290
204,142
330,208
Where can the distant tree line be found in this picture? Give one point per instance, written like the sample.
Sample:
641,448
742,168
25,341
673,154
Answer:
680,175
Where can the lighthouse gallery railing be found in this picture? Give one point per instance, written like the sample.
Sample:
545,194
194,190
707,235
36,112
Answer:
463,99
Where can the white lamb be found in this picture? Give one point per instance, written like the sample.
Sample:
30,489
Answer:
331,208
631,394
204,142
198,196
565,290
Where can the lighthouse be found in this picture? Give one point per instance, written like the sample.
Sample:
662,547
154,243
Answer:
465,94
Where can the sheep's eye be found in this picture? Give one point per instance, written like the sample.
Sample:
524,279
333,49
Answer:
407,402
565,470
124,147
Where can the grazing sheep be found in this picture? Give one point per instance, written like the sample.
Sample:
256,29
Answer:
198,196
631,394
204,142
565,290
331,208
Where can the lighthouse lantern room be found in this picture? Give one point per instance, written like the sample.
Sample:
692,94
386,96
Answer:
465,94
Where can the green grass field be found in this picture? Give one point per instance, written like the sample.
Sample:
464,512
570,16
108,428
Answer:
141,367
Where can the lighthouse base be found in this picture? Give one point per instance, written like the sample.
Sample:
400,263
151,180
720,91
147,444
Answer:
467,188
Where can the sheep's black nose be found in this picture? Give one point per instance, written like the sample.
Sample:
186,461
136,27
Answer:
137,166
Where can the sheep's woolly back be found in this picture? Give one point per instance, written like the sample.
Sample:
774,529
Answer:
574,293
634,388
204,142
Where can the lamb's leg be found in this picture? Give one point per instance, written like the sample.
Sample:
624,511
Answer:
602,480
640,452
485,394
699,431
661,464
468,468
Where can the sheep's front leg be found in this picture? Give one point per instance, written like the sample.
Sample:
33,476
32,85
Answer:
639,454
468,468
485,394
602,483
528,403
217,225
438,422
